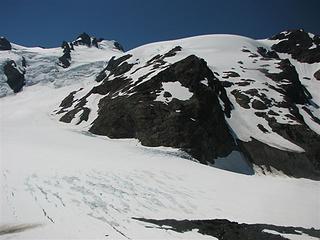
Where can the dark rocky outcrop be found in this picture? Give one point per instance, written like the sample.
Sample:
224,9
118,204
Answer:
259,105
114,63
230,74
241,98
86,40
226,84
65,59
295,92
115,67
5,44
298,164
196,125
304,137
83,39
119,66
224,229
242,84
262,128
159,124
130,90
309,112
317,75
24,62
95,42
290,163
102,75
68,100
289,85
66,47
299,44
118,46
15,77
266,53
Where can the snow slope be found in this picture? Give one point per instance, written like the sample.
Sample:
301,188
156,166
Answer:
225,54
42,64
61,183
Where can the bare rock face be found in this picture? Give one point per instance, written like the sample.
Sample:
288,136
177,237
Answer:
299,164
94,42
135,103
65,59
259,105
267,54
294,90
118,46
299,44
242,99
305,165
83,39
4,44
14,75
224,229
196,125
86,40
317,75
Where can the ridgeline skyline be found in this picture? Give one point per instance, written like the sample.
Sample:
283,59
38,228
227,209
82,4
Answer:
134,23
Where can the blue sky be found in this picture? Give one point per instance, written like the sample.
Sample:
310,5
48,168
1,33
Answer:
135,22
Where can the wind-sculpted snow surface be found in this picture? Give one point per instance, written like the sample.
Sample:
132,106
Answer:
245,97
59,182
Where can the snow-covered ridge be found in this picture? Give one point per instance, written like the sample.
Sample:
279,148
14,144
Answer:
43,63
62,183
59,181
225,53
267,91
